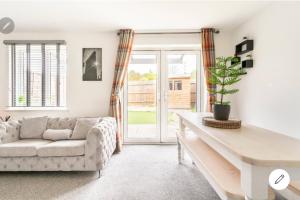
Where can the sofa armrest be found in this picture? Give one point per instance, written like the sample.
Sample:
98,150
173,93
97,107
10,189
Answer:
9,132
100,143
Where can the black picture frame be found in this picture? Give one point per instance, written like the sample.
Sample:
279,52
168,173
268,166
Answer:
92,64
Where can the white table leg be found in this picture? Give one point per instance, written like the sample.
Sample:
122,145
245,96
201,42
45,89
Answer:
180,152
180,148
255,182
181,127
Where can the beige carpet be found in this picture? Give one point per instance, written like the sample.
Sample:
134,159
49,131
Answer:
140,172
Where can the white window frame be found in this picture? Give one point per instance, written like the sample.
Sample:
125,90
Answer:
58,43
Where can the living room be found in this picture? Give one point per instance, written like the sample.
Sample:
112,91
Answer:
149,100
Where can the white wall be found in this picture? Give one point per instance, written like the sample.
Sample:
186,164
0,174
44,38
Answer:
223,42
270,92
90,98
84,98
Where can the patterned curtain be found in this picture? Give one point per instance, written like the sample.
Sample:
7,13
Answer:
123,56
208,57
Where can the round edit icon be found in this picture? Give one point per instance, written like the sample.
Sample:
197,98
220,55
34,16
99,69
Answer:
7,25
279,179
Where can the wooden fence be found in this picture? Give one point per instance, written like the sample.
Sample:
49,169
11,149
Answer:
143,93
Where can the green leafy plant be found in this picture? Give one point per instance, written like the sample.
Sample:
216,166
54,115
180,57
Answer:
226,72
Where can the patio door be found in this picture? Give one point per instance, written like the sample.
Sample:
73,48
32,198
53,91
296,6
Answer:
159,83
142,98
181,89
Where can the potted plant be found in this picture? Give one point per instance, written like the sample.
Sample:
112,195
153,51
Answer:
226,72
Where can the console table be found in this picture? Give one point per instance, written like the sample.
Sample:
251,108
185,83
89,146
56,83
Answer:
237,162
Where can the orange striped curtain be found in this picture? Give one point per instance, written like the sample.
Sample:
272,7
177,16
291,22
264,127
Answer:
208,57
121,66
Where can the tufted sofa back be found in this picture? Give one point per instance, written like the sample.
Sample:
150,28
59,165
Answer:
61,123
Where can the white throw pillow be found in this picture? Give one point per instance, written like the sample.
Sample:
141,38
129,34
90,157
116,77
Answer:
57,134
82,127
33,127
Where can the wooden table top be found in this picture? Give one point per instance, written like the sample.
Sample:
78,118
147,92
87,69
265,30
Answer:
252,144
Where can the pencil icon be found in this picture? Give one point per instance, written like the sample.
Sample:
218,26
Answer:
279,179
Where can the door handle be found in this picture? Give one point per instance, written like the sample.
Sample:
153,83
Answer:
165,96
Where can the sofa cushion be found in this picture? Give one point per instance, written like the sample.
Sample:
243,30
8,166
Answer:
83,125
33,128
9,131
61,123
26,147
57,134
62,148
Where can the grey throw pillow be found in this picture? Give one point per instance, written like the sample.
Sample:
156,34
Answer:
82,127
57,134
33,127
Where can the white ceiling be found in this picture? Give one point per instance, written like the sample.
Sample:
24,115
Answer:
72,15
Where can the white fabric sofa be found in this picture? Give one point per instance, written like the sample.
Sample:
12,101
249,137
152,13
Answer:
90,154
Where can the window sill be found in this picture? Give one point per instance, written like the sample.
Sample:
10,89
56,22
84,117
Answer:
36,108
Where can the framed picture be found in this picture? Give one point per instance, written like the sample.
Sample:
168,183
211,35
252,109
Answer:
92,64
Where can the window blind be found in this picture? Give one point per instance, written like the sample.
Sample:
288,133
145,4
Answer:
38,74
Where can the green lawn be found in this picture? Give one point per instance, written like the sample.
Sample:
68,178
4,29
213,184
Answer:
149,117
145,117
141,117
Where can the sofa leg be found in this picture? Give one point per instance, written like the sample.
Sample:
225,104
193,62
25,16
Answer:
99,173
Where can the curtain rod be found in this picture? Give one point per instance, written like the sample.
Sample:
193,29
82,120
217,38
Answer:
162,33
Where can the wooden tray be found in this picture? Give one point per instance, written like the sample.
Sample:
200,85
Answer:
229,124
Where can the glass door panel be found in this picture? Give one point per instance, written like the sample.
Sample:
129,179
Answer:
181,86
143,120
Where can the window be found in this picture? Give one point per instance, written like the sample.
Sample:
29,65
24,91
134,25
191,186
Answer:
37,74
170,85
177,85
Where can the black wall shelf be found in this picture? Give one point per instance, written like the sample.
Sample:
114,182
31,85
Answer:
244,47
247,63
